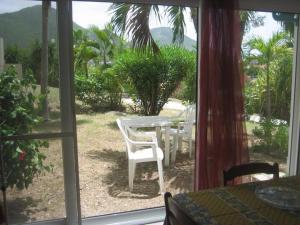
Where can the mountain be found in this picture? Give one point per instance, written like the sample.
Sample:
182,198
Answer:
164,36
25,26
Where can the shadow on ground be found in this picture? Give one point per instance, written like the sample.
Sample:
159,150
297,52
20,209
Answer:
20,210
113,125
177,178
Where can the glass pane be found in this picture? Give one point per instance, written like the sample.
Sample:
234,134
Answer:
39,198
35,92
268,64
105,92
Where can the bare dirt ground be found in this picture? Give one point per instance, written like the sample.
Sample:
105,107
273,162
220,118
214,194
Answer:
103,175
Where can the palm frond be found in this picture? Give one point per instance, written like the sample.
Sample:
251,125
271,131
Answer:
100,34
155,9
176,18
138,27
120,12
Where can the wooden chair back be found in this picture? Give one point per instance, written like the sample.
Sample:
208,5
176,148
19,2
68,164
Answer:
250,168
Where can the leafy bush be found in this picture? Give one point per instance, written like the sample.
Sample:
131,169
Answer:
187,90
35,63
101,90
22,159
153,78
271,137
30,58
280,88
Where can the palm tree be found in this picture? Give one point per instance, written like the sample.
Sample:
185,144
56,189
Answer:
134,19
265,52
44,57
100,49
250,19
105,43
83,52
287,21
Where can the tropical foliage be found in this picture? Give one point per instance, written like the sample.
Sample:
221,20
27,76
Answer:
134,20
102,90
271,138
30,59
22,159
270,63
83,52
269,93
153,78
96,47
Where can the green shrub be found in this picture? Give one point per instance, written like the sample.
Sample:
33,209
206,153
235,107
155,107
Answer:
280,89
100,91
271,137
152,79
187,90
281,138
22,159
34,63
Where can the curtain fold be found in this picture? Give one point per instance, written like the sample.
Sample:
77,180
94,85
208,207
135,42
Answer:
221,134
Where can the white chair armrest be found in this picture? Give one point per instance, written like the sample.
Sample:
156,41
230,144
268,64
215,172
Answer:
144,143
143,135
140,134
153,145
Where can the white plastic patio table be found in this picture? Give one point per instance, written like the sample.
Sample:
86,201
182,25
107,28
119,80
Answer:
154,121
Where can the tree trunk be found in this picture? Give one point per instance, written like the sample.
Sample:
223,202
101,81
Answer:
44,63
86,70
268,95
104,59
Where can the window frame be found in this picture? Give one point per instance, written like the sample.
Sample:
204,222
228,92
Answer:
69,135
292,6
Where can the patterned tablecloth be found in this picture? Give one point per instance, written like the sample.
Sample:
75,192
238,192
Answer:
238,205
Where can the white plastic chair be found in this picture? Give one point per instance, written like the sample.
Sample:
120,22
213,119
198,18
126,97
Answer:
141,151
184,130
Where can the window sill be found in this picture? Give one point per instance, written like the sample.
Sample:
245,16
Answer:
137,217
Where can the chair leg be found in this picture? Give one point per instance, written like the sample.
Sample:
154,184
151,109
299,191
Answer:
175,147
158,135
190,147
130,174
134,166
160,175
179,143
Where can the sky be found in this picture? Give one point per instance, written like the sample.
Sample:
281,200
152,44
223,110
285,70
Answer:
93,13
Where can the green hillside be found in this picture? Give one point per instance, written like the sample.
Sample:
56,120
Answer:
25,26
164,36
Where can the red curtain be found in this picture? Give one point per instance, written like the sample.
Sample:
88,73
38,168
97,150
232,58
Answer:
221,135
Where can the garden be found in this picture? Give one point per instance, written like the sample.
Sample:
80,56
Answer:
115,78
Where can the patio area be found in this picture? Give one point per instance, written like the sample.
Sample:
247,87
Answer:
103,174
103,170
